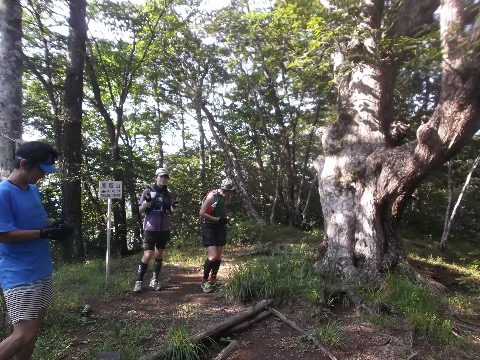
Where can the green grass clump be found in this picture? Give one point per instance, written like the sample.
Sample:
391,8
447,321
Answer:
75,284
125,338
54,344
285,278
179,346
420,307
186,257
330,334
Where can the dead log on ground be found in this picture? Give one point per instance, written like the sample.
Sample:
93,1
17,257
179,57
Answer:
214,330
237,319
250,322
299,329
225,353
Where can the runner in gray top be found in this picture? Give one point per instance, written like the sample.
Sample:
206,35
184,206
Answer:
157,204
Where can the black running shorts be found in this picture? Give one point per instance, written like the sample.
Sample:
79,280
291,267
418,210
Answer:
155,240
214,234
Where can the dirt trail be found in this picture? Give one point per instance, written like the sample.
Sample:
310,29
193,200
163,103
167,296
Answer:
181,301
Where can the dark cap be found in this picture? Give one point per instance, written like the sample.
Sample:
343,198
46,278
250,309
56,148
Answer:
39,153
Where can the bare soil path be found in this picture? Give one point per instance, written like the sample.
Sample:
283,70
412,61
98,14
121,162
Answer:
181,301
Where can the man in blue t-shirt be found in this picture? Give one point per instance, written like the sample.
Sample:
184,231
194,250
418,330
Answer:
25,258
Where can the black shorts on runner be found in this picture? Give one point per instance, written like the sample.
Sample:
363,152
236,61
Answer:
155,239
214,234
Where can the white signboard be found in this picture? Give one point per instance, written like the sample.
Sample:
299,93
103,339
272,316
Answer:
110,189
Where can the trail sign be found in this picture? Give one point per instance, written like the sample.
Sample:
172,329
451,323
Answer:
110,189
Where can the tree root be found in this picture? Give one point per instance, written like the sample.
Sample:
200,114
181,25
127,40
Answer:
408,270
348,291
303,332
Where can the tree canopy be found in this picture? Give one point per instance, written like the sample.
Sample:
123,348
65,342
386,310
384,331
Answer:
258,93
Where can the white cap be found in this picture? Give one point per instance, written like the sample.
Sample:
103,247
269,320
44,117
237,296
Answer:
162,172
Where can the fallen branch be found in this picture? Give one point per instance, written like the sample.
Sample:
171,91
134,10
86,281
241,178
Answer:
303,332
225,353
466,325
211,332
237,319
250,322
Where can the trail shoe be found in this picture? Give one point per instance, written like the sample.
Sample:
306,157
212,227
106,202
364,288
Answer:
138,287
214,282
155,285
207,287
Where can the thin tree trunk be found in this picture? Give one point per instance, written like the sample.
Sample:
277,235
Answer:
449,219
233,166
307,202
11,73
73,247
446,227
276,198
201,140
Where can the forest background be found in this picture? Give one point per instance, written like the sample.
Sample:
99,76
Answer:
257,92
244,91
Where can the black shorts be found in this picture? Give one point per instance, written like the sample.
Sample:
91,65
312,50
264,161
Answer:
214,234
155,239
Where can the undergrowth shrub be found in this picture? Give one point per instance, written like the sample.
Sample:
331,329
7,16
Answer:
124,337
329,334
284,277
75,284
420,307
179,346
246,233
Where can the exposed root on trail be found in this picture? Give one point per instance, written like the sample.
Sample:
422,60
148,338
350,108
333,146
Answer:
409,271
346,292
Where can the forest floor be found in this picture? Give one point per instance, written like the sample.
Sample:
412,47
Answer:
182,301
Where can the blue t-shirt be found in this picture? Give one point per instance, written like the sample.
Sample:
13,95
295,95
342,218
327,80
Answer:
25,261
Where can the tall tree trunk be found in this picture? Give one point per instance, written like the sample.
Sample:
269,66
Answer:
233,166
287,150
197,104
73,247
11,73
136,59
365,178
449,217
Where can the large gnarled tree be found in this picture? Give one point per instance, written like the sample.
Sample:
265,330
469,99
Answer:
366,175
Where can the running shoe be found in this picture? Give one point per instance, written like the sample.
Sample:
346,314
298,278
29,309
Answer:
155,285
207,287
138,287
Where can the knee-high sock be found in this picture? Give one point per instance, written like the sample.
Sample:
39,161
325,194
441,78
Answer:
142,269
215,267
207,266
157,266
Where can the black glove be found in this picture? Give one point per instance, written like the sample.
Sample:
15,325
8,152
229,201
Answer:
223,221
148,201
59,230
